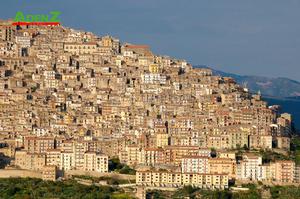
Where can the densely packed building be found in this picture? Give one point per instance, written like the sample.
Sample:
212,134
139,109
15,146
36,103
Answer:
71,100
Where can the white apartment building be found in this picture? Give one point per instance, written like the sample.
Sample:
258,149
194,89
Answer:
154,78
49,75
95,162
250,168
67,161
195,164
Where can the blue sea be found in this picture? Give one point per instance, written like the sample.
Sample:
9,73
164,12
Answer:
291,106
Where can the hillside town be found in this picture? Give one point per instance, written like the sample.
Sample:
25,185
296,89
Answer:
72,100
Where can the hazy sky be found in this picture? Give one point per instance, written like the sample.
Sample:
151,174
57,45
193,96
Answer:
253,37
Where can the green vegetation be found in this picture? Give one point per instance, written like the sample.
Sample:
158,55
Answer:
127,170
294,154
255,192
271,156
189,191
185,191
157,194
34,88
115,165
121,196
295,148
290,192
25,188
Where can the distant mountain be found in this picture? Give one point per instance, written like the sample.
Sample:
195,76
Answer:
278,87
280,91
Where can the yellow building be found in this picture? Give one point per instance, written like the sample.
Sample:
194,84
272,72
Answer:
222,165
154,68
107,41
226,154
162,139
178,179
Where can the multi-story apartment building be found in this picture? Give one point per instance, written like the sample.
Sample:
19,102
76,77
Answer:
95,162
38,144
195,164
49,172
67,161
250,167
152,156
284,171
178,179
222,165
80,48
53,157
30,161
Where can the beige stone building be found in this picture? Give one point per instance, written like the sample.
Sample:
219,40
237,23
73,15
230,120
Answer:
49,173
95,162
30,161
